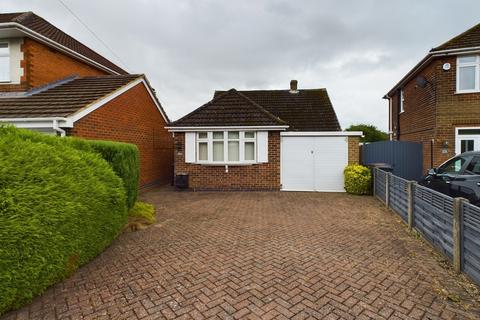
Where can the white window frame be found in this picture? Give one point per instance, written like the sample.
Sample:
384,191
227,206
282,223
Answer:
402,101
458,137
241,139
475,64
9,56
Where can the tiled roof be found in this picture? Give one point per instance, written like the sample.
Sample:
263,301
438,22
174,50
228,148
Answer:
46,29
306,110
63,99
467,39
231,108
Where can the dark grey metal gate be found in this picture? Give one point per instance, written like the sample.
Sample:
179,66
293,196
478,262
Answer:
406,158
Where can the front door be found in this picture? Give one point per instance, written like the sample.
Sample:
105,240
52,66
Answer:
467,139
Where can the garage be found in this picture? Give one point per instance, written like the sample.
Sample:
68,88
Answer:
313,161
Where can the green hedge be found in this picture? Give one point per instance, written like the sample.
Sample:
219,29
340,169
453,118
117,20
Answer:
123,157
358,179
59,208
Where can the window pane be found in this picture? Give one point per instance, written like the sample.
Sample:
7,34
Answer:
467,59
467,78
474,166
4,69
468,131
466,145
203,151
452,166
233,135
249,134
233,151
249,151
218,135
202,135
218,150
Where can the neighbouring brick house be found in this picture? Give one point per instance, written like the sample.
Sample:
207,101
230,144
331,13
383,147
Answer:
52,83
438,102
264,140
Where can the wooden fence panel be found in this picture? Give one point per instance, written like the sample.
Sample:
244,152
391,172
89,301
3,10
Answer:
433,213
471,241
380,186
399,196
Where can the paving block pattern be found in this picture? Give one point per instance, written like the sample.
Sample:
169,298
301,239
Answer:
261,255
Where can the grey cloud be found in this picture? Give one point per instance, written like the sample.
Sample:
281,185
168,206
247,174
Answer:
188,48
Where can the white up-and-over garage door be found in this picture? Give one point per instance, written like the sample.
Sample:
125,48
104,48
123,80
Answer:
313,161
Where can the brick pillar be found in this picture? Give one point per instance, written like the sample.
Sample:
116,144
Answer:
353,150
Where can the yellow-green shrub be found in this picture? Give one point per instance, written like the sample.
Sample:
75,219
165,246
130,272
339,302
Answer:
358,179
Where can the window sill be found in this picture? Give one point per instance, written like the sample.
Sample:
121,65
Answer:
466,92
5,82
222,164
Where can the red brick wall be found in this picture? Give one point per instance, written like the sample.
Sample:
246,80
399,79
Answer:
417,122
133,117
432,113
44,64
453,110
263,176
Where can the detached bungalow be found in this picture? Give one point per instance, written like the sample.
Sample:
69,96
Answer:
264,140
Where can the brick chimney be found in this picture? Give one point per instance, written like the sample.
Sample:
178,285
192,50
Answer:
293,86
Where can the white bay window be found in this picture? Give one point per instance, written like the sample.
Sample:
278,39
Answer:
226,147
468,74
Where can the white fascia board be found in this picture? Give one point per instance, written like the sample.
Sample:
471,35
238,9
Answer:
252,128
456,51
427,59
56,45
322,134
38,122
97,104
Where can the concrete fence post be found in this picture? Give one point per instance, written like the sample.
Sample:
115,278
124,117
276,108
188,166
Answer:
457,233
387,189
410,195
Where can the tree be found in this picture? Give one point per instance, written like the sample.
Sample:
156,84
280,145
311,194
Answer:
371,133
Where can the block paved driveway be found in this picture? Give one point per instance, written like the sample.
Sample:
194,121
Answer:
261,256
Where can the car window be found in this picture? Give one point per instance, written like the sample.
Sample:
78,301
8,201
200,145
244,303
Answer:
474,166
452,166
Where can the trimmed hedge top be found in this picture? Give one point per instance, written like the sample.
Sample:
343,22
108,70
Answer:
59,208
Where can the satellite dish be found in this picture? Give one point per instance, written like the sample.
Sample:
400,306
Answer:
421,81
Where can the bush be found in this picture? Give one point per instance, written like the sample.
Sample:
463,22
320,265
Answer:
59,208
123,157
143,211
358,179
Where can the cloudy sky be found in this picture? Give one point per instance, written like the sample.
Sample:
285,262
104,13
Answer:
188,48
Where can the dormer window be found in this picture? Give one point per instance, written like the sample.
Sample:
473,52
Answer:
468,74
4,62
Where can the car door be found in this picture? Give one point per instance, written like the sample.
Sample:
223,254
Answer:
467,184
446,173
